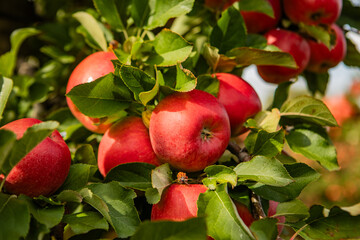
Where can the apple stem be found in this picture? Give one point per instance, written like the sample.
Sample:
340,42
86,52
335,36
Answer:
258,211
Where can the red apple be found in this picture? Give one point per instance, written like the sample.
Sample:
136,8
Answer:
44,169
219,4
313,12
178,202
124,142
272,211
92,67
257,22
289,42
189,130
322,58
340,107
239,99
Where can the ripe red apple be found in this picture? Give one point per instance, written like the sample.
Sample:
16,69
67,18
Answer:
44,169
257,22
322,58
124,142
239,99
289,42
219,4
92,67
313,12
178,202
340,107
189,130
272,211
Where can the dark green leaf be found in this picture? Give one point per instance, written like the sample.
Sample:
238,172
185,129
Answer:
163,10
314,143
309,109
108,9
134,175
116,204
170,48
7,141
194,228
208,84
6,85
352,58
140,11
85,154
92,27
245,56
229,32
281,94
84,222
302,175
262,6
222,220
265,143
317,82
57,54
264,170
221,174
78,177
265,229
102,97
49,215
32,137
294,210
14,217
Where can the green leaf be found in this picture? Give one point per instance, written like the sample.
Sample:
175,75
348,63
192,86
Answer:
49,215
134,175
314,143
318,32
221,218
78,177
261,6
308,109
281,94
108,9
7,141
92,27
85,154
14,217
229,32
140,11
208,84
267,120
294,210
139,83
116,204
101,98
32,137
352,58
152,195
316,82
6,85
69,196
302,175
221,174
185,80
161,177
245,56
264,170
264,143
338,224
265,229
8,60
194,228
169,49
57,54
163,10
84,222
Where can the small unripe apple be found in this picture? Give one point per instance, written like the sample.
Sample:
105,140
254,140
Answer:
322,58
239,99
189,130
178,202
313,12
257,22
44,169
91,68
124,142
291,43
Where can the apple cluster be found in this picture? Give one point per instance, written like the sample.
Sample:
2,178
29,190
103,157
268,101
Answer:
308,53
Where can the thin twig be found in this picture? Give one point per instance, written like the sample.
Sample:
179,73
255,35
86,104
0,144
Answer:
258,211
241,153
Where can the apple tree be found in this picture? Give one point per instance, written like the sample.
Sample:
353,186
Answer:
167,140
